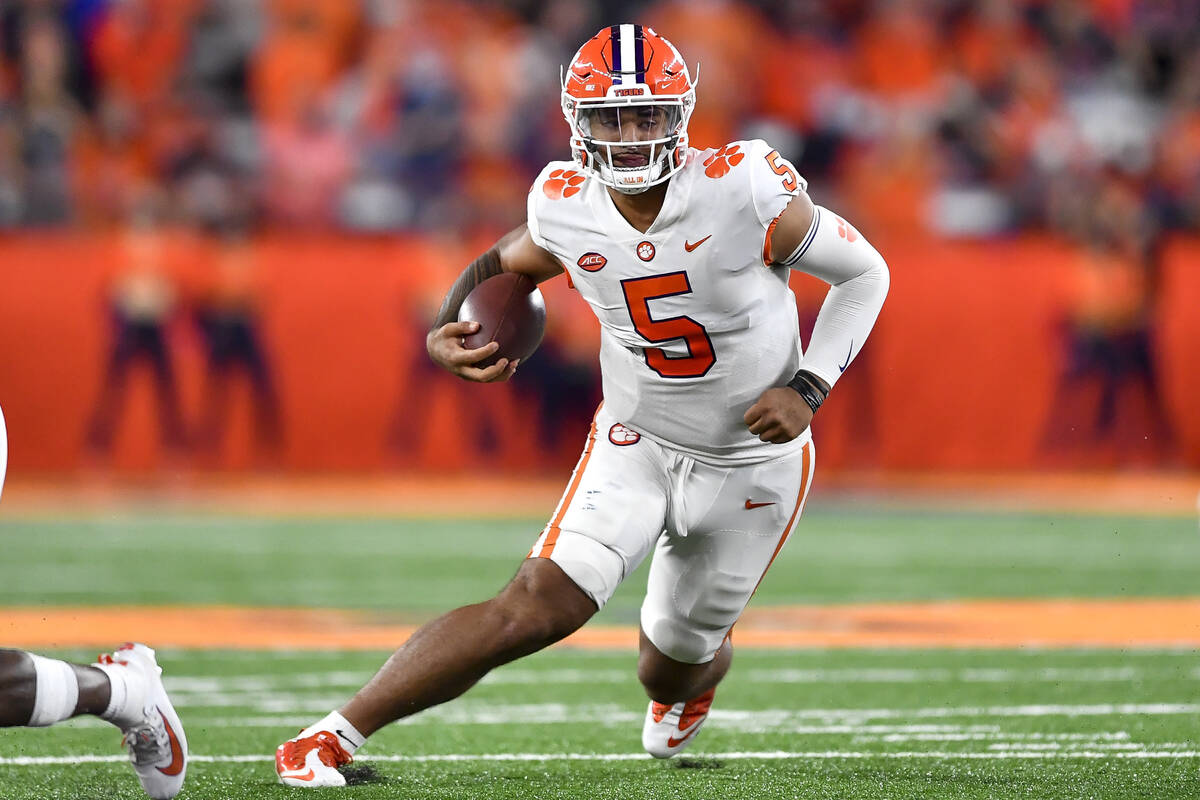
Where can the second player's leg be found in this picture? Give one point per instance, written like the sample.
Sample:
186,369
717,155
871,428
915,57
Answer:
450,654
18,689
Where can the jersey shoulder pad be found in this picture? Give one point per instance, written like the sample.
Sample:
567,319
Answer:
550,201
718,162
773,179
559,180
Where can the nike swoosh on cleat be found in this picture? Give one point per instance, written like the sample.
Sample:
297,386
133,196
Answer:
176,765
307,776
842,367
690,247
751,506
673,742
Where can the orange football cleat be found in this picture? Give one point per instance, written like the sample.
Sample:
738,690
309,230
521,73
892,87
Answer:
311,760
670,728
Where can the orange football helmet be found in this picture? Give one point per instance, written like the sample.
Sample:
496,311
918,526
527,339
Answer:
628,96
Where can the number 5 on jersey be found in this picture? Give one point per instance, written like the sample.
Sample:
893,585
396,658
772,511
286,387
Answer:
784,170
638,294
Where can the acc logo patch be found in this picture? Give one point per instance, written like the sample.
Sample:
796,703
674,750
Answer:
645,251
621,436
592,262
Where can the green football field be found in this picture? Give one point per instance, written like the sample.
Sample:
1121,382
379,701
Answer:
839,723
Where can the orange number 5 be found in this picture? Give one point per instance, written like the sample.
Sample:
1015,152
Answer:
781,167
638,294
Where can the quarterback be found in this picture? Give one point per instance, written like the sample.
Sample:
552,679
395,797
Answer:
701,450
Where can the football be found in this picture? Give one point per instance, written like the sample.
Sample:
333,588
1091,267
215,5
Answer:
511,311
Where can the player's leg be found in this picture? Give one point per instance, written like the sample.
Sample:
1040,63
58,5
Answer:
570,573
700,583
84,691
443,659
124,688
669,681
439,662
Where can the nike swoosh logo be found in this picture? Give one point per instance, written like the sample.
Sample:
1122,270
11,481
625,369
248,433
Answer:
347,738
842,367
308,776
673,742
751,506
690,247
176,765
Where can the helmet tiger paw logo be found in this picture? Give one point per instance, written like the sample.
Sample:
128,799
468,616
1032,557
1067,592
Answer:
563,183
719,163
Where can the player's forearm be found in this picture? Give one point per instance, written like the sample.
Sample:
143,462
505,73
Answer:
478,271
858,278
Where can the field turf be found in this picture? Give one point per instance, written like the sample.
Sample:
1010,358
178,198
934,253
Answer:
1045,723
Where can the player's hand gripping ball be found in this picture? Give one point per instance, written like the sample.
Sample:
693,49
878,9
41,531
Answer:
510,311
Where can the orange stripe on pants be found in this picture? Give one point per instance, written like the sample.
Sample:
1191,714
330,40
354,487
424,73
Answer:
552,530
806,465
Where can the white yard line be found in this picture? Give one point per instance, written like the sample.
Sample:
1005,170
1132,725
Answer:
353,679
1116,674
1146,753
479,712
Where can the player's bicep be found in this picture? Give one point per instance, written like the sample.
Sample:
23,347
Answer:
790,231
520,254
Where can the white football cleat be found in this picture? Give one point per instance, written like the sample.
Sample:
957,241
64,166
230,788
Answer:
156,742
669,729
311,761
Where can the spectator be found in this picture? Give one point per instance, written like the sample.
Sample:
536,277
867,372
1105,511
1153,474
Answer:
227,314
1109,328
142,302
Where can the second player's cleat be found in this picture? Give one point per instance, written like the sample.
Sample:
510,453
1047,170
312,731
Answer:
311,760
670,728
156,742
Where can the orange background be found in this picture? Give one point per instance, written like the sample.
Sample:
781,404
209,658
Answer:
960,372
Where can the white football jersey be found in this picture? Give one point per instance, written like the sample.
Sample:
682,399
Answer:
694,325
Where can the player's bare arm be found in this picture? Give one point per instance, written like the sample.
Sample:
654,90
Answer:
515,252
817,241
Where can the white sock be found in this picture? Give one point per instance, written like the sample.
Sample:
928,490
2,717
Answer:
348,735
56,693
127,697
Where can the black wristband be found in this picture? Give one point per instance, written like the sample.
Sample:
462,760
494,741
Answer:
805,383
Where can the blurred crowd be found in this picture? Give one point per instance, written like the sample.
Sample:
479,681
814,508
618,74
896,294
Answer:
962,117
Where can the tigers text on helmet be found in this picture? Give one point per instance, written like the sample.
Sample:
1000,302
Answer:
627,96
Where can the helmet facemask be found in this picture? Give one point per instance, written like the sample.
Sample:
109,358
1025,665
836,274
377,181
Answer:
630,143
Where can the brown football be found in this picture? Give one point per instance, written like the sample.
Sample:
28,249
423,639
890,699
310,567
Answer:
510,310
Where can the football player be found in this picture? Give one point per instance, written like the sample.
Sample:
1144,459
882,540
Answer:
124,687
701,450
